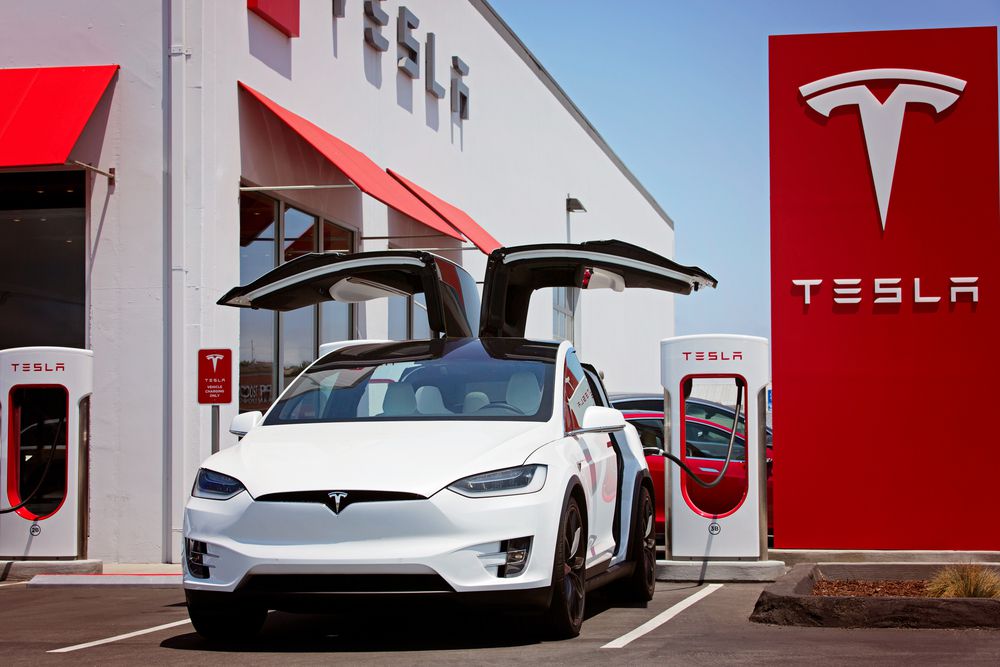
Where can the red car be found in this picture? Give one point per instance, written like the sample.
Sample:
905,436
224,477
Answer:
707,443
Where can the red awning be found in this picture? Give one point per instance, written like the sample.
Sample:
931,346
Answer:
458,218
358,167
45,109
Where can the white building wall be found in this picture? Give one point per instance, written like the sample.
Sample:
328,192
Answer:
510,166
126,267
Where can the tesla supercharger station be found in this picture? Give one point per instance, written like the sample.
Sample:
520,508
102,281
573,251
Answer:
727,370
44,426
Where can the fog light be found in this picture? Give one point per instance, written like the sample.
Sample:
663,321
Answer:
196,552
517,556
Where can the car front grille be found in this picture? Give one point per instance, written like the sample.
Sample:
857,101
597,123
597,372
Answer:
329,498
345,583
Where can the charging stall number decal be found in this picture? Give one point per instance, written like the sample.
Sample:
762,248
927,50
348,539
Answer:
35,530
714,528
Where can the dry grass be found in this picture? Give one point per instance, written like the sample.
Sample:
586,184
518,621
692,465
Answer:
965,581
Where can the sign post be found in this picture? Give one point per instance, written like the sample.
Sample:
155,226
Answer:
215,381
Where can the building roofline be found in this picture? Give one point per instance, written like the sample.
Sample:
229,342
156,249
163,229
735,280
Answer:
508,35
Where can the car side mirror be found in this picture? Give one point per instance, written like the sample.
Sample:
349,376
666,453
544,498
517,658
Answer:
600,420
244,422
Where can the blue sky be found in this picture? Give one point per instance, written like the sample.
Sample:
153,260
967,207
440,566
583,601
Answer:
679,91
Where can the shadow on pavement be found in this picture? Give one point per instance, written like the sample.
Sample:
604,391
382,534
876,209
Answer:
433,629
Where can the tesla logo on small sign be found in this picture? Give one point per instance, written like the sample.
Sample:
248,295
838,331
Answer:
215,376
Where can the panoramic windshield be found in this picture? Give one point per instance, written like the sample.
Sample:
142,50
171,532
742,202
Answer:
434,380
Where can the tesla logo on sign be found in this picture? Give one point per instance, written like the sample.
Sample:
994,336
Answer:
37,367
882,122
215,376
889,290
713,356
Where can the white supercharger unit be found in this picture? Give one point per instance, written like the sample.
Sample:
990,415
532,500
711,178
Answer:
44,432
714,389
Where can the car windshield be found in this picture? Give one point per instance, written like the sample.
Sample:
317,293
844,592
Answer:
434,380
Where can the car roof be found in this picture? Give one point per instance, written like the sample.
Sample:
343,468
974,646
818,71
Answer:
365,353
620,396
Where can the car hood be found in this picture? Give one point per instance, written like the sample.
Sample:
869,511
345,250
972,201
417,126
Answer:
412,456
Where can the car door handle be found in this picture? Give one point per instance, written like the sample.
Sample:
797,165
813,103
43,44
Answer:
708,469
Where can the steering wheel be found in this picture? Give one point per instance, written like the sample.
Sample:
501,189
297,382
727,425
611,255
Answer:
503,405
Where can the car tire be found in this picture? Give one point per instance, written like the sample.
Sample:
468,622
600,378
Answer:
227,624
564,617
641,584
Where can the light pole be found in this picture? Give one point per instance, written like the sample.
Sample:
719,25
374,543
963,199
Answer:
571,295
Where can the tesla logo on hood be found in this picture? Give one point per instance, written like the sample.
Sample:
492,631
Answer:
882,122
337,497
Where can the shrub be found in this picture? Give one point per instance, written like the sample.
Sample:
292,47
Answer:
965,581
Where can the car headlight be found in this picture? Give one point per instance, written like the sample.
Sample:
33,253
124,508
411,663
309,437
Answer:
506,482
216,486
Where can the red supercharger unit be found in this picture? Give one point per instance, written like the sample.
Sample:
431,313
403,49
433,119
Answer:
44,432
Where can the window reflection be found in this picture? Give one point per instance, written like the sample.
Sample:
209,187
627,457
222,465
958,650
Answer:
336,318
298,327
300,234
42,259
263,221
258,226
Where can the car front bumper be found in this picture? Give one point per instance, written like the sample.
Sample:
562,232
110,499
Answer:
436,547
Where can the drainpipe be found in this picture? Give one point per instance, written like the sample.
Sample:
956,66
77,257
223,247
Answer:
173,455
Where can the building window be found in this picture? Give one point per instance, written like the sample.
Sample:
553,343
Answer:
274,348
43,253
297,328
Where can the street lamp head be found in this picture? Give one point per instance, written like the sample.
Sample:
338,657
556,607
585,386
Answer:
574,205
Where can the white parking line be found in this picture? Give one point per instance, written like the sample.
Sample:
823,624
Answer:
662,617
116,638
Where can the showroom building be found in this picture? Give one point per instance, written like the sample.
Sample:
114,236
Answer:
153,154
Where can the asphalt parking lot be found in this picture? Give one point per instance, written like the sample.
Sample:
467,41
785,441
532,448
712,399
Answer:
35,622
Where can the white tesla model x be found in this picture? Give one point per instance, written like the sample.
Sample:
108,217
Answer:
486,469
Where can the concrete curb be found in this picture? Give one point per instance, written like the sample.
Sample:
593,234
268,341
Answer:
719,570
789,601
795,556
22,570
102,580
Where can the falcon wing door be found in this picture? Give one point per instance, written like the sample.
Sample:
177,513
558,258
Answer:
450,292
512,274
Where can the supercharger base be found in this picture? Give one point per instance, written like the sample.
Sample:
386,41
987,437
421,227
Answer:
719,570
718,533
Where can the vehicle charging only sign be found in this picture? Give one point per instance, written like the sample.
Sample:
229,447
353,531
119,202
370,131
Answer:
215,376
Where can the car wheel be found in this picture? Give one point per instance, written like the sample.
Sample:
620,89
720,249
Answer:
641,585
569,593
227,624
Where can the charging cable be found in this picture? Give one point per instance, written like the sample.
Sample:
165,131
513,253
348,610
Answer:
45,473
729,453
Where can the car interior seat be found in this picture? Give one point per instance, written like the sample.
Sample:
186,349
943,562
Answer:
524,393
473,401
430,402
399,400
